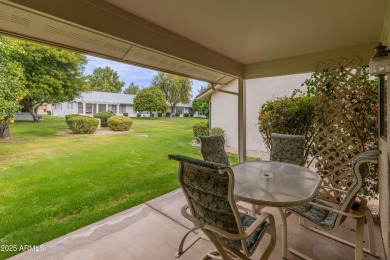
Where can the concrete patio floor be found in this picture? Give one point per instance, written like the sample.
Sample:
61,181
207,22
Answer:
153,230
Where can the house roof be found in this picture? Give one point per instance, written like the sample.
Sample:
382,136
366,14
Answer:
216,41
111,98
105,97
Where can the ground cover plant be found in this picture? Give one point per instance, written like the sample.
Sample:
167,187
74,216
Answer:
52,184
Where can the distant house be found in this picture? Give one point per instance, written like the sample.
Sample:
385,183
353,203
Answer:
90,103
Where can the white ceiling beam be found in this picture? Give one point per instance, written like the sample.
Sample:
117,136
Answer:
306,63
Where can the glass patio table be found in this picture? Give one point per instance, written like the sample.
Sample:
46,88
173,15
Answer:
275,184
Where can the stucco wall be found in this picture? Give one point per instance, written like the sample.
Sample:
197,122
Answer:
224,113
224,107
384,183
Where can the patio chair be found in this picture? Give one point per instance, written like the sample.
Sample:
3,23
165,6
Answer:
208,188
212,149
320,216
288,148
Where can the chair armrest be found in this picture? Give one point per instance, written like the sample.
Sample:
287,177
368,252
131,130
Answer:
359,214
191,218
247,233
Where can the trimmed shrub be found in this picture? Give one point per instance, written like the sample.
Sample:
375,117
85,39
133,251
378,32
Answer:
177,114
138,115
159,114
191,114
186,115
216,131
168,114
287,115
103,116
68,117
200,129
83,124
49,112
119,123
125,114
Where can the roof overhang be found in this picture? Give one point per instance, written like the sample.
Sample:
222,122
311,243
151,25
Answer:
243,39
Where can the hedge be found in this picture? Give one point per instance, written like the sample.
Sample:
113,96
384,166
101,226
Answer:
119,123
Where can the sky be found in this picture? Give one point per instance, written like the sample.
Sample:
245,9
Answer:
130,73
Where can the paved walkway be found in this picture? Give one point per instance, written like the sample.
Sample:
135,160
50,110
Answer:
154,229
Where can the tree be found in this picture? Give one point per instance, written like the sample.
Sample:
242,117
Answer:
51,74
200,105
11,88
175,88
104,79
150,99
132,89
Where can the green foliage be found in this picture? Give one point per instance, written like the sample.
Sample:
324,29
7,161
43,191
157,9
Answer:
104,116
186,114
150,99
168,114
177,114
138,114
216,131
105,80
200,129
289,115
51,74
132,89
125,114
119,123
12,82
201,106
83,124
68,117
175,88
159,114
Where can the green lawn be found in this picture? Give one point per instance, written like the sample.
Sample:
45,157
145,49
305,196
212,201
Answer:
53,184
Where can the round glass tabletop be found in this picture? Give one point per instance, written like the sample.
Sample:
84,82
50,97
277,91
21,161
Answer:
274,183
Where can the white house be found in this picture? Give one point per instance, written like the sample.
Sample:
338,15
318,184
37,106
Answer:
90,103
223,107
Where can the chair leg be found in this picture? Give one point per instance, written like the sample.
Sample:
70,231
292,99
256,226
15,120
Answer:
359,238
272,231
218,245
371,233
182,247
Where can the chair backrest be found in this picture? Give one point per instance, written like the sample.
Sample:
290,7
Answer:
208,188
360,170
212,149
288,148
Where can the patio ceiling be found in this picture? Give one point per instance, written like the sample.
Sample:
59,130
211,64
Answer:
215,41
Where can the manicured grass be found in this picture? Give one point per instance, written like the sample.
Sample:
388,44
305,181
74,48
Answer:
53,184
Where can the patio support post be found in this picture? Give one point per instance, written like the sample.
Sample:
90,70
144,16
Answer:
241,120
84,107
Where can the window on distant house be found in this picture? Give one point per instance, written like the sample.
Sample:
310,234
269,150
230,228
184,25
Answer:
122,108
112,108
179,110
80,108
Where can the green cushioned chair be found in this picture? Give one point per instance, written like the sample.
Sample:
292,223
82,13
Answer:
208,188
321,216
212,149
288,148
